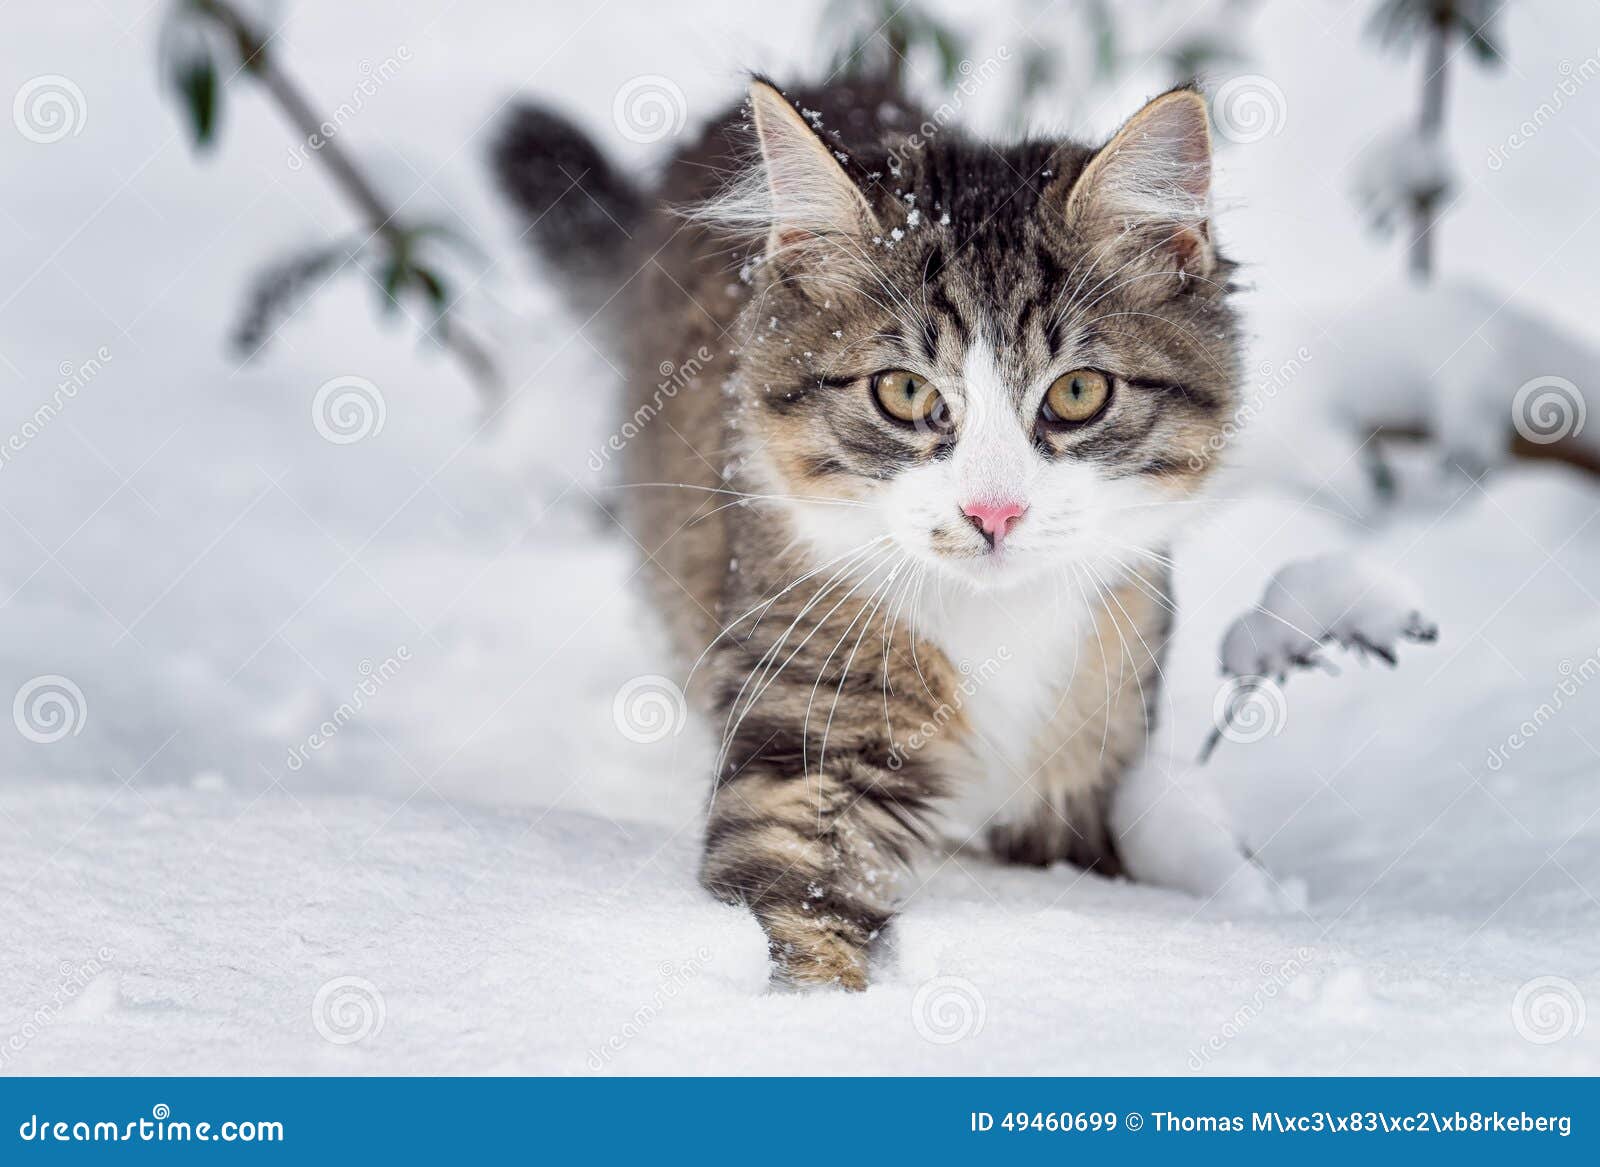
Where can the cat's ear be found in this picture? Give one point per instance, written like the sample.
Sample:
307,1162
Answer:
812,201
1152,178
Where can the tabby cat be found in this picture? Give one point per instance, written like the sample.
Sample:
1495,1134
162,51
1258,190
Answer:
936,405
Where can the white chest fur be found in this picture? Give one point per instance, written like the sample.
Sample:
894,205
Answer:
1018,652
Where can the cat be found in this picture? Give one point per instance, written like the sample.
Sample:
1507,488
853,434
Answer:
937,407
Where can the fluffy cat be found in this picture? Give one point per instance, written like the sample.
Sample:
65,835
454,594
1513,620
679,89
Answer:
937,409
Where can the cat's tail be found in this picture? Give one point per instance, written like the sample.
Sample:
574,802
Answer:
581,212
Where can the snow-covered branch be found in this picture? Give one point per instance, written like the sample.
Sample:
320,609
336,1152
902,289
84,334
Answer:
1335,598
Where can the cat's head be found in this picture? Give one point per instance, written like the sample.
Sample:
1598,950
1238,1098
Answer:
1008,360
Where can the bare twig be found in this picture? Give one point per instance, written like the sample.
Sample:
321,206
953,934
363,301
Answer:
1436,65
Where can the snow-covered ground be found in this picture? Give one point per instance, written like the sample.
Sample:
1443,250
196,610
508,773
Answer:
477,871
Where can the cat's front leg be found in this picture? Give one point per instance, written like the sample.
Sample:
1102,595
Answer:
815,848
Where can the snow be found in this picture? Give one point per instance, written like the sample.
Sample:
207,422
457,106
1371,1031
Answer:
507,939
480,871
1474,367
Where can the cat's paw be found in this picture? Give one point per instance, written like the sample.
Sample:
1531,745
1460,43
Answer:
1252,888
1172,830
811,953
786,979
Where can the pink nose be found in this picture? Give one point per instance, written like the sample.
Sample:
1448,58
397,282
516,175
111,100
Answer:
994,519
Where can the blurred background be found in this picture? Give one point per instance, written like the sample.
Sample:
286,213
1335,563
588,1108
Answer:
301,519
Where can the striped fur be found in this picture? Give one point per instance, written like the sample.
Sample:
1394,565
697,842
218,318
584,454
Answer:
882,677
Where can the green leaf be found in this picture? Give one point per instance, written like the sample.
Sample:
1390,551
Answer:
949,48
1192,58
200,92
1393,22
1038,71
433,288
395,273
1103,26
1482,47
1400,23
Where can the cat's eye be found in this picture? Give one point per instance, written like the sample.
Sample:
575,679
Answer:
909,399
1075,397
